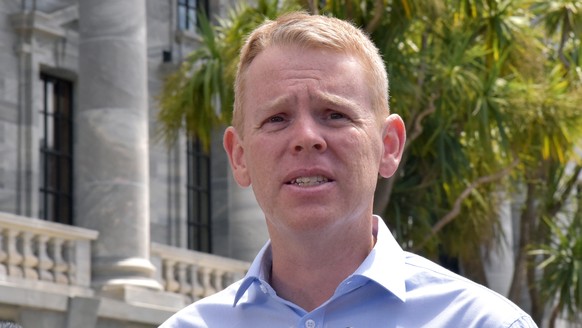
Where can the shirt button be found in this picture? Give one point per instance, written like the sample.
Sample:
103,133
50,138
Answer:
263,289
310,323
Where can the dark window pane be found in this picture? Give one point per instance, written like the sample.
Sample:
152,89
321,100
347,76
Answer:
64,208
51,171
50,207
182,18
191,18
65,182
199,225
188,11
56,152
63,130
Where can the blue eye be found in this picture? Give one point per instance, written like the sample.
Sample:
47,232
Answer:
275,119
336,116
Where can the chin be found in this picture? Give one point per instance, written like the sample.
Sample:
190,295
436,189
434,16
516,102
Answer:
311,222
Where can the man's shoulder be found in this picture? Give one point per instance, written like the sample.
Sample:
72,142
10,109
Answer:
423,273
200,312
433,285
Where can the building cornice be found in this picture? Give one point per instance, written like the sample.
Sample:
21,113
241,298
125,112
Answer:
52,25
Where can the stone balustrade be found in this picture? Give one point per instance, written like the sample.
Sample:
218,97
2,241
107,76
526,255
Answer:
45,255
194,274
52,257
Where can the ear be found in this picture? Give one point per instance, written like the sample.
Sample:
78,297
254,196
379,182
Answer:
234,149
393,140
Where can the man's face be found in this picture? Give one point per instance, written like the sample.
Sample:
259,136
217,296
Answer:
313,145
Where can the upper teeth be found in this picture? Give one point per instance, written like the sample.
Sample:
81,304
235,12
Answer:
309,181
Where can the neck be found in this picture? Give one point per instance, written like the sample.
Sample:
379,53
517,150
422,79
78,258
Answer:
307,269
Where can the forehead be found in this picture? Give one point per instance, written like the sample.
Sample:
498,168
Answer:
293,56
279,68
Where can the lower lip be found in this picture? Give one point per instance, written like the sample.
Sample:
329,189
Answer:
313,188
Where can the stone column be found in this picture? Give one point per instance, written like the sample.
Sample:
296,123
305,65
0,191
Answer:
111,145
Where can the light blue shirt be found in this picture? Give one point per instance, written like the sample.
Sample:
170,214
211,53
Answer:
391,288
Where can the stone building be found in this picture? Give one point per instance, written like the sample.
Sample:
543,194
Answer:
101,223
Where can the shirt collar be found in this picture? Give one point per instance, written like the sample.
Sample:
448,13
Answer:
259,270
384,265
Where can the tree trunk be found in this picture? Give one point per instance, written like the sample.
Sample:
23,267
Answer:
537,307
554,316
527,216
313,7
474,269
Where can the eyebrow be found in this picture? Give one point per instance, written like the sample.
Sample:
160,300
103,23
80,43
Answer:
275,103
320,97
335,100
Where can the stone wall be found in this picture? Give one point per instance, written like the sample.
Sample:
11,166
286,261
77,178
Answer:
44,36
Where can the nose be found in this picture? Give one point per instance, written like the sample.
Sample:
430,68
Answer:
307,136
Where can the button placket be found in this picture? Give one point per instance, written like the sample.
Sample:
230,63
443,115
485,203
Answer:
310,323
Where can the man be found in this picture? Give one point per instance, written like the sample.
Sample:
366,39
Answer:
311,132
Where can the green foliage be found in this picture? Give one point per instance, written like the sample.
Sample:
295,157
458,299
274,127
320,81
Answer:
191,93
562,263
199,96
553,104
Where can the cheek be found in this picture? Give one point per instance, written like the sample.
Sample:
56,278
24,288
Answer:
261,159
363,155
364,150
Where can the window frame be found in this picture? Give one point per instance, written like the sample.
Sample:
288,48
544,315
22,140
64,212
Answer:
199,197
187,11
56,134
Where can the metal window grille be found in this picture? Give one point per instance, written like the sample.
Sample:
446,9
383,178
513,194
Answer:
188,11
199,225
56,150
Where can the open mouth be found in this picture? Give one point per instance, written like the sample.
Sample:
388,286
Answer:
309,181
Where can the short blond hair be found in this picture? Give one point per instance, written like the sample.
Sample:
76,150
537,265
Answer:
312,31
